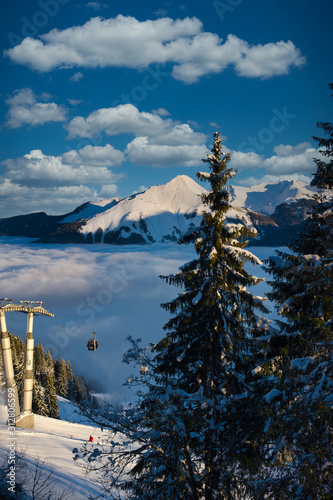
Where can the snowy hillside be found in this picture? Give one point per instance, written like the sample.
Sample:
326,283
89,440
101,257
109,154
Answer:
52,442
265,198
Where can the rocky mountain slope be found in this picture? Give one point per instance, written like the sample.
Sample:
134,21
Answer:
166,212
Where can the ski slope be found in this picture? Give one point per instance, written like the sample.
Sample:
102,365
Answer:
52,441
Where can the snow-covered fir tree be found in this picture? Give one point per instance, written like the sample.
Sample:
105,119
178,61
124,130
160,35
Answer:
299,357
49,363
39,362
61,377
50,397
186,439
17,347
39,406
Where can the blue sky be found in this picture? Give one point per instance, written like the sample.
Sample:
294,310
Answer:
103,99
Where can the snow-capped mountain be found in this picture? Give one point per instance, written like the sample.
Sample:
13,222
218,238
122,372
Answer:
265,198
166,212
159,214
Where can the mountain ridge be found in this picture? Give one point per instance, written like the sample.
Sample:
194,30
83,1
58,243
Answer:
166,212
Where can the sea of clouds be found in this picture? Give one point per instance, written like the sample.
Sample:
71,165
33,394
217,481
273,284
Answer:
113,291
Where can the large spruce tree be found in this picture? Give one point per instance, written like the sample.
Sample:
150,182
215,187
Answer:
212,332
299,358
187,440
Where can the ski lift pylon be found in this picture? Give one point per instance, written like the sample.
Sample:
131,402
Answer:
92,344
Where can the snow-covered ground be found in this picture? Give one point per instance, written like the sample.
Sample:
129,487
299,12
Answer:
52,442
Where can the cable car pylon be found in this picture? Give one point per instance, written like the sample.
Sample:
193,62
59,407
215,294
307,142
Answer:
31,308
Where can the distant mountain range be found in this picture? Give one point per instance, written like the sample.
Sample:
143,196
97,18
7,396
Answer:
166,212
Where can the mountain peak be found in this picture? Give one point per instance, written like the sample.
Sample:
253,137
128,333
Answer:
166,212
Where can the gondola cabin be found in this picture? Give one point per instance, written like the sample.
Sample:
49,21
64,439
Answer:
92,344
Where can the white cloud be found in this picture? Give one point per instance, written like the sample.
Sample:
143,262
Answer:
126,42
292,162
142,152
140,189
272,179
178,135
106,156
24,109
292,159
288,150
36,169
161,13
264,61
243,161
75,102
76,77
16,198
126,118
94,5
161,112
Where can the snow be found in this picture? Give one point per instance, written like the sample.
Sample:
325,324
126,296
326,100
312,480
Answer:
206,175
271,395
301,363
179,196
242,252
53,440
212,254
266,197
167,210
90,209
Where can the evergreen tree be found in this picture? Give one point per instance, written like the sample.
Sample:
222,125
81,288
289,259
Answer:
17,347
39,406
39,362
299,359
50,397
79,389
61,378
191,444
69,371
49,368
323,178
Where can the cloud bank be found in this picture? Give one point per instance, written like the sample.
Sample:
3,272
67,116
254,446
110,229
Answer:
287,162
114,293
58,184
158,142
125,42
